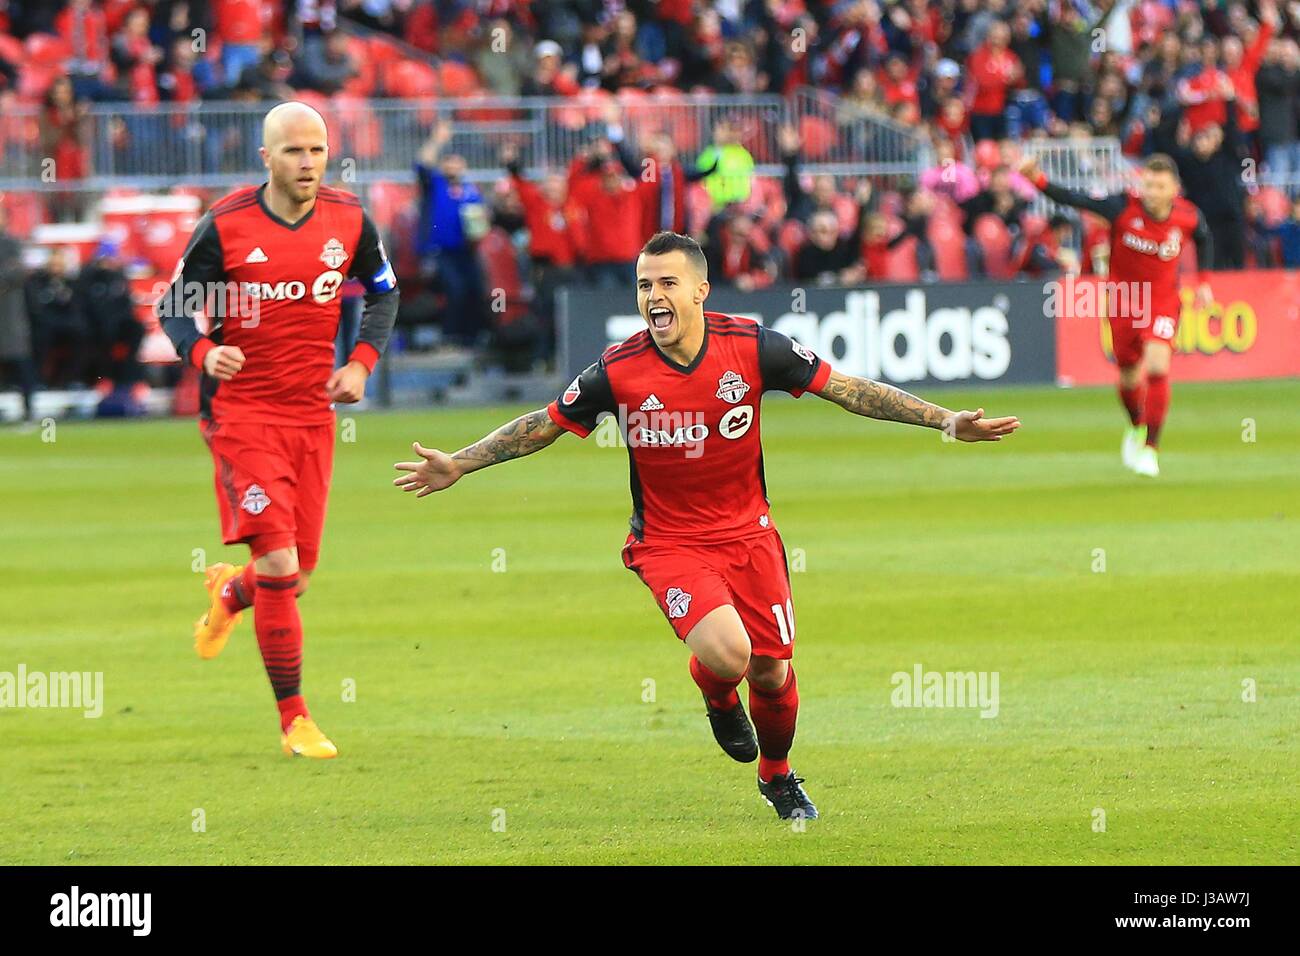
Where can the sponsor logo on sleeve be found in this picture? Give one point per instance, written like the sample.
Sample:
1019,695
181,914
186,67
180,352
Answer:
802,352
573,391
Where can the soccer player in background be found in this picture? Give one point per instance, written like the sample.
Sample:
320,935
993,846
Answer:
1147,230
273,258
687,392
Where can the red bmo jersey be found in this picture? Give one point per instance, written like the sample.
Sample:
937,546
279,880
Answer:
692,431
1146,250
271,288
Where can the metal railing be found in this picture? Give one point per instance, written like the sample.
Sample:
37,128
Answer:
215,144
1079,163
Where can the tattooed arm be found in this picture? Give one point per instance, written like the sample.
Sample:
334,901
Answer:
437,470
871,399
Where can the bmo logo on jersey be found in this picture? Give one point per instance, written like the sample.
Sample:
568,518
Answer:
325,288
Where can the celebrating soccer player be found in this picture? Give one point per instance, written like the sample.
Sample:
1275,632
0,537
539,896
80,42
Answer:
266,263
687,391
1147,229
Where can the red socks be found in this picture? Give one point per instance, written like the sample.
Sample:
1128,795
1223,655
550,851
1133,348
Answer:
720,691
1135,401
774,713
1156,407
279,637
237,593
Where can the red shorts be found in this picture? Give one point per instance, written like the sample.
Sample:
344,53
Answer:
1129,336
272,483
689,581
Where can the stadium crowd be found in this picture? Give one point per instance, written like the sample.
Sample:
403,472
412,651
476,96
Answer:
1214,84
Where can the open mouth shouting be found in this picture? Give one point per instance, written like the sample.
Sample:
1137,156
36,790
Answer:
661,318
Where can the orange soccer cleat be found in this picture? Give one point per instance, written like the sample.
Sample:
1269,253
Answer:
212,630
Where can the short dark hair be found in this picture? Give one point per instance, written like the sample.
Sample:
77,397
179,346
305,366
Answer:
662,243
1160,163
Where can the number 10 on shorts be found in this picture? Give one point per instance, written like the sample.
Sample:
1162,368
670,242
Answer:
784,621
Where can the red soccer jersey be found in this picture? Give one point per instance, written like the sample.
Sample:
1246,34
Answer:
272,290
692,432
1147,250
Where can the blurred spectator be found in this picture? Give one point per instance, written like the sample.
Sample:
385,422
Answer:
60,338
550,77
452,220
803,204
327,66
114,331
241,26
1210,169
504,58
660,178
739,257
556,235
269,79
134,57
733,166
826,257
1278,85
1241,64
65,148
1051,251
1287,233
993,70
949,177
997,199
16,366
877,243
613,220
82,26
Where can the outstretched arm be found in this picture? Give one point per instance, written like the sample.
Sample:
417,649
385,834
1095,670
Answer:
862,396
437,470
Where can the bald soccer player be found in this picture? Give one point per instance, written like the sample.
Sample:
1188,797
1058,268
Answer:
266,265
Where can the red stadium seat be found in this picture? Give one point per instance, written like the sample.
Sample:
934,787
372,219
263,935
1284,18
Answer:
501,271
363,84
360,131
987,155
457,79
699,208
34,79
949,245
992,234
12,49
44,49
790,237
1273,204
817,135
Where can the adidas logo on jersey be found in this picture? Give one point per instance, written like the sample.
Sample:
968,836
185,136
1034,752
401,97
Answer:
257,255
652,404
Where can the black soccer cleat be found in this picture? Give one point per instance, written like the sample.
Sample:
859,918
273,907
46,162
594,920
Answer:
785,795
733,732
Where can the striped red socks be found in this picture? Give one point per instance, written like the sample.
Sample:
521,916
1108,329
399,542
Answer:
720,691
279,637
774,713
1156,407
237,593
1134,400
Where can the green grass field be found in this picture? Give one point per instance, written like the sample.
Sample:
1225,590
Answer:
485,695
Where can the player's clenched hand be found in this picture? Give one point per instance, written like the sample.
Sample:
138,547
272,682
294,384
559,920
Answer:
348,383
436,471
973,426
223,361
